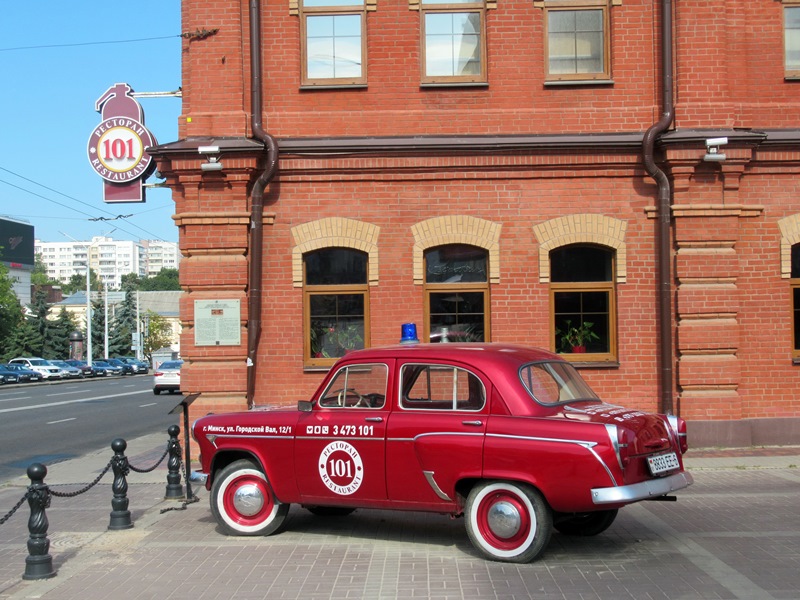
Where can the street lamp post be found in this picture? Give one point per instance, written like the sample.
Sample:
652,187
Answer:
88,314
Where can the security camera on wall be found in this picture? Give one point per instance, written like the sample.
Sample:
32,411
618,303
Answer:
712,149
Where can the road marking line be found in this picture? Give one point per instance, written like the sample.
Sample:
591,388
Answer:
61,421
62,403
64,393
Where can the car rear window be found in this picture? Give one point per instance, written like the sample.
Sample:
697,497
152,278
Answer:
171,365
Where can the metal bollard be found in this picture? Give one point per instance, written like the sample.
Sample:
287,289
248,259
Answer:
39,563
174,487
120,515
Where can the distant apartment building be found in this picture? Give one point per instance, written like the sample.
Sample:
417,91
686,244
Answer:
160,255
109,258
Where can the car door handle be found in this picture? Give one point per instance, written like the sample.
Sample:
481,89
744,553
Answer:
374,419
473,423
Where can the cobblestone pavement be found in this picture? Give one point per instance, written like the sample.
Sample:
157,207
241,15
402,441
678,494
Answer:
734,534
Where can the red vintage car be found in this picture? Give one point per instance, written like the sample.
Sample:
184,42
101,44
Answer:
510,437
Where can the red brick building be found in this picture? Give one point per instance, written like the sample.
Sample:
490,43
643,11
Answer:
500,170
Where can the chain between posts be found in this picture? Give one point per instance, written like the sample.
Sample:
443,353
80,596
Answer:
173,445
83,490
15,509
153,468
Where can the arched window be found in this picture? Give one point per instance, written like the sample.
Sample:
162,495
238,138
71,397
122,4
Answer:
795,283
335,304
582,298
456,294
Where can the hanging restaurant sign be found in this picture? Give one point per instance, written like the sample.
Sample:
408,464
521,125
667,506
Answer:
117,146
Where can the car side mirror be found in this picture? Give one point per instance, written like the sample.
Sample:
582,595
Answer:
304,405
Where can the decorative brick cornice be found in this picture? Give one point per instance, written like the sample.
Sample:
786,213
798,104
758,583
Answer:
790,235
456,229
582,229
335,232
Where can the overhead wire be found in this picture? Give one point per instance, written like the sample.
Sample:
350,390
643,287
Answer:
89,216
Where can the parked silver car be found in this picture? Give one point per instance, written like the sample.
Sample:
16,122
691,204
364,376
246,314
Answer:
68,371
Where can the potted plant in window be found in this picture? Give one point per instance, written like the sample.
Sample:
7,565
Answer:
574,339
336,340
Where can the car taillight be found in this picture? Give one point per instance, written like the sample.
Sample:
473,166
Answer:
678,426
157,374
619,443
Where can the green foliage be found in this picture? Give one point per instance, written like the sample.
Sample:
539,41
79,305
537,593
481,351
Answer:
574,337
166,280
123,326
39,274
57,341
10,311
98,329
157,335
78,282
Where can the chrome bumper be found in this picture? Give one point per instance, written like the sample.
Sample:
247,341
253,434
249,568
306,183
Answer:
651,488
198,477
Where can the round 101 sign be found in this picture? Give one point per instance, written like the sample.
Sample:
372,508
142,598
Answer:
117,149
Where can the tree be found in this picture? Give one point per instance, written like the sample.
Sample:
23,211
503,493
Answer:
98,329
39,277
158,334
10,311
166,280
24,341
78,282
57,346
123,327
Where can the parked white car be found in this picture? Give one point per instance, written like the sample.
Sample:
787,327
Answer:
167,377
48,371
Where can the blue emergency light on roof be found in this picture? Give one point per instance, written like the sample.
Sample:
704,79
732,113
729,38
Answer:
409,334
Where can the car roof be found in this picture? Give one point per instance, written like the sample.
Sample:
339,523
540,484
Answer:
484,356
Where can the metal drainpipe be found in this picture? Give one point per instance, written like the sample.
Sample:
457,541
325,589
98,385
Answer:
257,202
664,255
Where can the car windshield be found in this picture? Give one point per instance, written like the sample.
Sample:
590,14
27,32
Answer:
39,363
555,382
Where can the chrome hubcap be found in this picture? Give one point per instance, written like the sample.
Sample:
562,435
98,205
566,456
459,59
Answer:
248,500
504,520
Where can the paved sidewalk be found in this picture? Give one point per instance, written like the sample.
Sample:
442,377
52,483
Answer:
734,534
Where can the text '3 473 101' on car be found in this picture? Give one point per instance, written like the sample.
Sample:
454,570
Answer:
509,437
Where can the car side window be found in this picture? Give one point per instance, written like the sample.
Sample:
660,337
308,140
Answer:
357,386
440,387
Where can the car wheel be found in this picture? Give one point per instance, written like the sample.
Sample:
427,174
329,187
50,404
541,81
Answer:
242,501
329,511
508,521
157,391
588,524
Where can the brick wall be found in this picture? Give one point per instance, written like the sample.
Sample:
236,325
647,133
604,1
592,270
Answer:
732,306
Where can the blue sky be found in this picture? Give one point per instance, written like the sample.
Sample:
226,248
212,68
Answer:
54,65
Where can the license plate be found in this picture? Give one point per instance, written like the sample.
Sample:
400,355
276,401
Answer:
663,463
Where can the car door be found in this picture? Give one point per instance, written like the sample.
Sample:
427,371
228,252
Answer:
436,433
340,444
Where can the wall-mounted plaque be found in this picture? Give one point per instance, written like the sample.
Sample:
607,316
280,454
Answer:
217,323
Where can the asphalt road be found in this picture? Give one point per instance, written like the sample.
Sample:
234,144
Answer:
49,423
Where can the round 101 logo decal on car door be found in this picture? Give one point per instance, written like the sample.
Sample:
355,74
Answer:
340,468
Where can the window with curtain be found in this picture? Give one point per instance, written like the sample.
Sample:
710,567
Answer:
456,294
583,302
453,41
335,304
333,42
